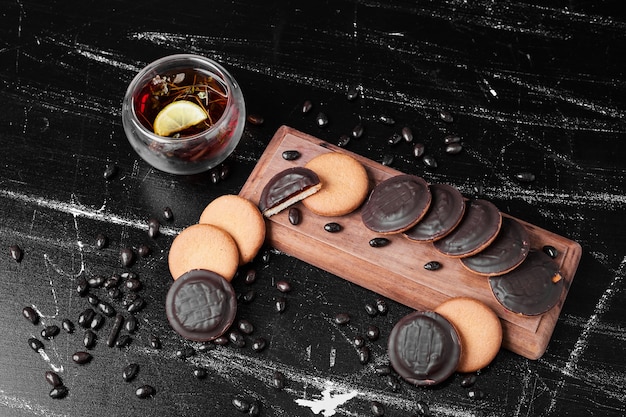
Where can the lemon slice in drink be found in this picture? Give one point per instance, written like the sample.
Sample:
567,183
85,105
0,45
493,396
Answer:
178,115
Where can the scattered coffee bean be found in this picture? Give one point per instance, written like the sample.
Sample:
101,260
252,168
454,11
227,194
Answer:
109,171
50,332
236,338
206,347
357,131
333,227
224,171
418,150
343,141
85,318
130,324
112,282
307,106
255,409
154,227
429,161
115,329
364,354
278,380
115,293
200,373
68,326
250,277
127,257
291,155
136,305
53,379
551,251
259,344
283,286
266,256
255,119
168,214
475,394
387,160
295,216
221,341
280,304
129,275
81,358
449,139
101,241
130,372
132,284
321,119
155,342
145,391
432,266
89,339
144,250
379,242
342,318
394,139
35,344
248,296
30,314
93,299
525,177
372,333
241,404
185,352
446,116
245,326
358,341
393,383
96,281
59,392
377,409
371,310
407,134
123,341
386,120
353,93
422,409
454,148
381,306
97,321
106,309
468,380
214,175
16,253
382,370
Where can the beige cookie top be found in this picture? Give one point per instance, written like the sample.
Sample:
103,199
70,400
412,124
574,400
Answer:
203,246
241,219
479,329
345,184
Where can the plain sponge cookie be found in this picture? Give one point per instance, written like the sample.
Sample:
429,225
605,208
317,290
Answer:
479,330
241,219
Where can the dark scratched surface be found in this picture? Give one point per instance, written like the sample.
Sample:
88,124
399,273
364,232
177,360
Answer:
533,87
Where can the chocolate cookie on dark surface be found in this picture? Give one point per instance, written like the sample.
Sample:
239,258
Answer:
445,213
396,204
531,289
478,228
287,188
504,254
201,305
424,348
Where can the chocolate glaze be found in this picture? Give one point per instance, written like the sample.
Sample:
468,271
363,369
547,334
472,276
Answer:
286,185
424,348
505,253
396,204
201,305
445,212
479,227
530,289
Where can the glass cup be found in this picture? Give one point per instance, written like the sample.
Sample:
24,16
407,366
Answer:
194,79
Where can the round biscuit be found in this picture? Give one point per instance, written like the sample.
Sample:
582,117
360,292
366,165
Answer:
203,246
241,219
479,329
345,184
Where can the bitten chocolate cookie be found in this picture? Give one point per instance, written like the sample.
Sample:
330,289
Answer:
444,214
287,188
241,219
424,348
204,246
479,330
396,204
344,184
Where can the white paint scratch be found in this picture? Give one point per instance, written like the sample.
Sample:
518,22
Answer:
327,405
16,403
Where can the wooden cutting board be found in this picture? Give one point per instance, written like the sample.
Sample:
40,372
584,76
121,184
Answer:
396,271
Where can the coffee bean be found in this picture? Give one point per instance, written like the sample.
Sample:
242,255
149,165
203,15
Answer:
241,404
422,408
432,266
200,373
129,275
259,344
468,380
387,160
307,106
206,347
115,293
333,227
357,131
30,314
372,333
381,306
97,322
551,251
377,409
106,309
155,342
68,326
418,150
93,299
50,332
101,241
245,326
295,216
35,344
342,318
371,310
16,253
89,339
214,175
144,250
109,171
266,256
353,93
168,214
136,305
255,119
127,257
96,281
291,155
525,177
429,161
250,277
81,358
112,282
115,330
394,139
130,372
59,392
364,354
343,141
379,242
393,383
255,409
85,318
321,119
145,391
407,134
358,341
382,370
186,352
449,139
454,148
53,378
248,296
386,120
221,340
154,227
123,341
280,304
476,394
283,286
446,116
130,324
236,338
278,380
133,284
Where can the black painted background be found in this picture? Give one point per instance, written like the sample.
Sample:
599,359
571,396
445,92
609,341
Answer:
532,86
